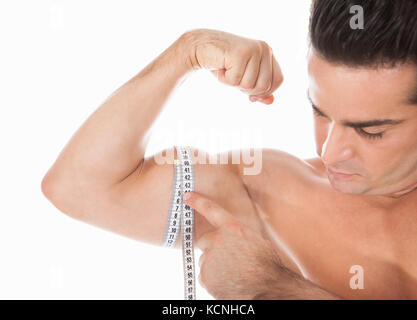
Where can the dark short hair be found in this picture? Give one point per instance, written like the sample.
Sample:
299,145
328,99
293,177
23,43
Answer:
388,39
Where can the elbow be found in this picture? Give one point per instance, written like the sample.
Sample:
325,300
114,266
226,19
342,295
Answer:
47,186
53,191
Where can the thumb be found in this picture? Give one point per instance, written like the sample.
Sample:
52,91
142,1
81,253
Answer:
265,100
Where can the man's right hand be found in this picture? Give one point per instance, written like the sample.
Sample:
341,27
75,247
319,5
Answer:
237,61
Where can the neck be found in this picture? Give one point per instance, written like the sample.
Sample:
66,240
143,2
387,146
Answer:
404,191
402,198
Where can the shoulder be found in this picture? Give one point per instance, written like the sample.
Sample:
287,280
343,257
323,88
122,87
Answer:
279,168
279,193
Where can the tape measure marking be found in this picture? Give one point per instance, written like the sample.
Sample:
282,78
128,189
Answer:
182,215
175,212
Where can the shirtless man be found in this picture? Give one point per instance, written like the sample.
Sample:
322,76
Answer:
353,205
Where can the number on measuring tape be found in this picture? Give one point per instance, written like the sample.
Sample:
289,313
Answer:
181,216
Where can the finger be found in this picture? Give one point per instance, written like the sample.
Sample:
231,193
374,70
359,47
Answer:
219,74
205,242
233,75
200,280
277,77
277,80
201,259
264,81
248,82
214,213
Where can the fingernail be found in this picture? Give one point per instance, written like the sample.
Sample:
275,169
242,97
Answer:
186,196
253,99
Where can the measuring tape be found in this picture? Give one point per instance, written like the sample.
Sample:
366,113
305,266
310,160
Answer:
181,215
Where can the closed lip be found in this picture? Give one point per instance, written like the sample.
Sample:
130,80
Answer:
341,174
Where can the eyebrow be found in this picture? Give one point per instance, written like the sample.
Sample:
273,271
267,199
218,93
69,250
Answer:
358,124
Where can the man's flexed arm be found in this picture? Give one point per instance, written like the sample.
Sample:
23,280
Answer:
101,176
118,131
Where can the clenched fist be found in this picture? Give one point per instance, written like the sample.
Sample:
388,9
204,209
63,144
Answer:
236,61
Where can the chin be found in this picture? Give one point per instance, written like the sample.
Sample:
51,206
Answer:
349,187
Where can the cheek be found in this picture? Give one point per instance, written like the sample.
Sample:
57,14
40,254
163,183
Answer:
389,159
398,153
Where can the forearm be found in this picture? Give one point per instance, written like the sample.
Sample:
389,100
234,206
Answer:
291,286
118,131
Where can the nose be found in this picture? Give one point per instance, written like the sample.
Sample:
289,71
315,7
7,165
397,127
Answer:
336,148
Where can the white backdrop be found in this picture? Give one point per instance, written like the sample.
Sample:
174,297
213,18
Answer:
58,61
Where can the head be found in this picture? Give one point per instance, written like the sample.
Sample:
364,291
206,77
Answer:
363,90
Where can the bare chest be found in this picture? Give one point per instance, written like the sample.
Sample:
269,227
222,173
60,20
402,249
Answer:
343,245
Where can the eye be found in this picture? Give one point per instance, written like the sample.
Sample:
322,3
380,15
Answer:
358,130
317,113
369,135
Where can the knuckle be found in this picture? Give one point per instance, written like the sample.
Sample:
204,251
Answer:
244,52
247,85
264,45
201,260
263,86
234,79
256,47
